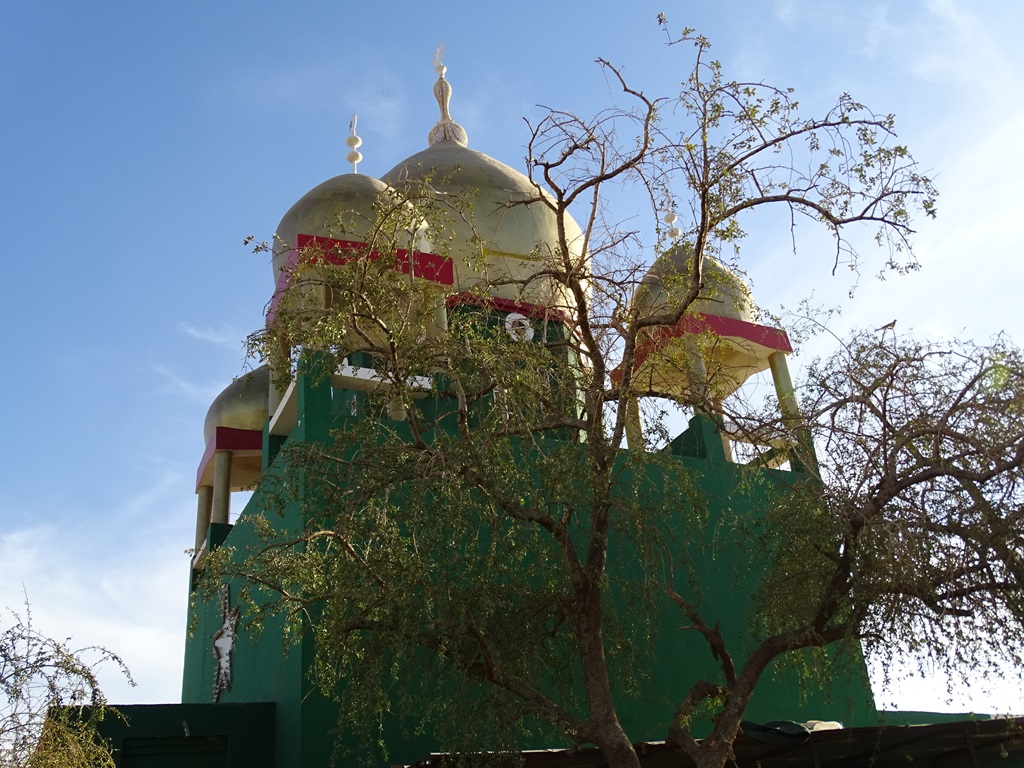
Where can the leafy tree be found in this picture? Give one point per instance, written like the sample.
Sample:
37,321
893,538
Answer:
496,537
51,700
922,446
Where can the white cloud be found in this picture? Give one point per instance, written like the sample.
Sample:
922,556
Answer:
224,336
881,33
378,99
959,50
115,577
289,83
177,384
785,11
298,88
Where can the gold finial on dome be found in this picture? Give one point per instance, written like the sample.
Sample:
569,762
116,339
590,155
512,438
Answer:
353,142
446,128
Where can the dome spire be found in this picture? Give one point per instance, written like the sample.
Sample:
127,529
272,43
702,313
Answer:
446,129
353,142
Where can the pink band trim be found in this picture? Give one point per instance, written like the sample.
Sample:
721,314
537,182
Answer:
229,439
429,266
773,339
538,311
762,335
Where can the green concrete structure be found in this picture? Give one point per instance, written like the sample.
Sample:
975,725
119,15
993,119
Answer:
247,698
265,668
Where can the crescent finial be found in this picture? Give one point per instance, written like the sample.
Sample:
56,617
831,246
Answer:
353,142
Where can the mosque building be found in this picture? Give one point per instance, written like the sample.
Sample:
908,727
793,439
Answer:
247,698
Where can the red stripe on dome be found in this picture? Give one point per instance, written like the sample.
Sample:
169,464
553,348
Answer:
229,439
698,322
538,311
429,266
764,336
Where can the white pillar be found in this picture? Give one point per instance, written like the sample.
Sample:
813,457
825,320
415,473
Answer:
205,495
221,487
784,385
791,411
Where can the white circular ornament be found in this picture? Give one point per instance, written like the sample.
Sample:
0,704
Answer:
519,327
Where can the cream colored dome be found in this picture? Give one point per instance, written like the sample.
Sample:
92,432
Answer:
716,345
342,208
244,404
666,283
514,240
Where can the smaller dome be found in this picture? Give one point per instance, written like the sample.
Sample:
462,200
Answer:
244,404
342,208
724,294
717,343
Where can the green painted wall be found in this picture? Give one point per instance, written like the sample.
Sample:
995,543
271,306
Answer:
270,668
728,570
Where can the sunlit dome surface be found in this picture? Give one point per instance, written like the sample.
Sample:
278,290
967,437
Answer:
667,282
515,237
244,404
342,207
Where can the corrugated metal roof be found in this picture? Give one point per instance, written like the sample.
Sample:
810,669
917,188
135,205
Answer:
970,743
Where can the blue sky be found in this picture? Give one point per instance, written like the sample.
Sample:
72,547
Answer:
141,142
